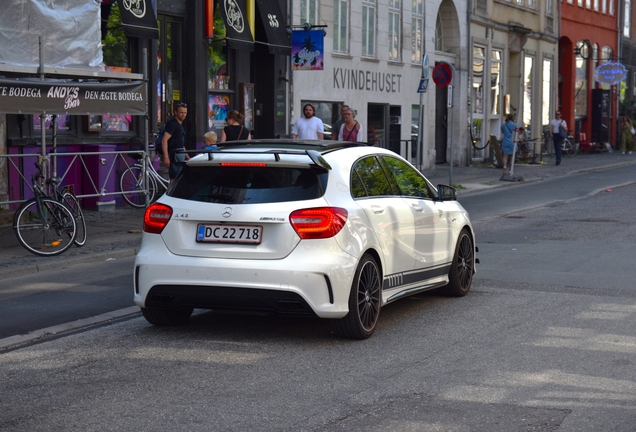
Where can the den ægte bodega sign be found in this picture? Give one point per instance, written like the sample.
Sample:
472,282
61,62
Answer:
610,73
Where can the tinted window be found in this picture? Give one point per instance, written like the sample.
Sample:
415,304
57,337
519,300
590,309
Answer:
409,181
247,185
372,177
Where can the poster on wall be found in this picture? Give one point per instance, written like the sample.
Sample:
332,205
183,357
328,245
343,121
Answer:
218,107
308,48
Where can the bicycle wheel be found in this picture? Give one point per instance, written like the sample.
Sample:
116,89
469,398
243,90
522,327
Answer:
73,204
133,187
568,148
46,229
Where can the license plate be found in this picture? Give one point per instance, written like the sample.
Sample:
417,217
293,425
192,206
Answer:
229,233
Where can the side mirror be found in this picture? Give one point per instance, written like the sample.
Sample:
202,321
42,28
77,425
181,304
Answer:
446,193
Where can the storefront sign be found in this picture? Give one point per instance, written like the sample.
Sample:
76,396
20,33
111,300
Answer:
31,96
610,73
307,50
356,79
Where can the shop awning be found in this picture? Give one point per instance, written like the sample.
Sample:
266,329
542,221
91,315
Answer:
237,29
274,22
138,19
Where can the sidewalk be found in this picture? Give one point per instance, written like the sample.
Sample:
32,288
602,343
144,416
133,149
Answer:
117,233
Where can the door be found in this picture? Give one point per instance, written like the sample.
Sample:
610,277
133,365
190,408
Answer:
170,79
377,123
391,218
431,229
441,124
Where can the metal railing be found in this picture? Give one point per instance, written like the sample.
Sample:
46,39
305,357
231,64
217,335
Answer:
98,172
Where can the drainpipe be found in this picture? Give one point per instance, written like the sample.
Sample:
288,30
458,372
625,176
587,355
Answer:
469,63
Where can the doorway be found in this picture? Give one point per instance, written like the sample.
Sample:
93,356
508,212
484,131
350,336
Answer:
377,119
170,79
441,124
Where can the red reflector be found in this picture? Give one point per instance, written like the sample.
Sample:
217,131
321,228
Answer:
156,218
243,164
318,223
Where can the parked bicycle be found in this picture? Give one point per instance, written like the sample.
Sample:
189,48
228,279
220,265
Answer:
48,225
133,184
569,147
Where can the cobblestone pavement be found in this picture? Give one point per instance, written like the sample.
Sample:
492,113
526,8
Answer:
117,233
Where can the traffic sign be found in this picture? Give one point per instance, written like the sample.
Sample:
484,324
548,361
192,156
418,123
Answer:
423,86
442,74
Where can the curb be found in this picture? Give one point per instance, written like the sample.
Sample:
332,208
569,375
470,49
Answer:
62,329
37,268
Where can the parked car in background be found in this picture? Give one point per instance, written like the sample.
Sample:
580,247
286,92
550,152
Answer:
313,228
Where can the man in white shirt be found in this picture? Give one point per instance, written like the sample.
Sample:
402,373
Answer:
308,127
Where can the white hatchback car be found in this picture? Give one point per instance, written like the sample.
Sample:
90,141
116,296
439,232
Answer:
317,228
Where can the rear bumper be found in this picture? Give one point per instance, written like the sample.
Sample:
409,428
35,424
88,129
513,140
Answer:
314,280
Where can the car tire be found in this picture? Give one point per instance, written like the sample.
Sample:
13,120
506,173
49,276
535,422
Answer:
364,302
167,317
461,273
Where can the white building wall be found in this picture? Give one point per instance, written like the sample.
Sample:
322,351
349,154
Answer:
358,81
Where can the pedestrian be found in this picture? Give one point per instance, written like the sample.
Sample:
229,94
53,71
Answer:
235,130
210,141
558,132
174,138
507,143
627,135
309,126
350,129
335,128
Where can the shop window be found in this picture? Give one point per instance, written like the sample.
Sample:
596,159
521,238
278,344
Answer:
63,123
495,83
546,94
218,77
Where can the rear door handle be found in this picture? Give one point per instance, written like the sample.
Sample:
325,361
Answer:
377,209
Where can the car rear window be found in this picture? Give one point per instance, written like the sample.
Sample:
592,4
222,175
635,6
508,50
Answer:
248,185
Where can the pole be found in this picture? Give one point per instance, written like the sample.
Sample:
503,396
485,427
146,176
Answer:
144,163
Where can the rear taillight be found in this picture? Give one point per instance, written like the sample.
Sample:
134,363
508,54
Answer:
156,218
318,223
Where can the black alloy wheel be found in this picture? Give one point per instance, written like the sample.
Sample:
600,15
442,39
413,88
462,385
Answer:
462,269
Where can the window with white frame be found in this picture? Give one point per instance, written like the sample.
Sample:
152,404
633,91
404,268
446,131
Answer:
395,30
340,26
439,34
628,21
596,5
369,8
549,5
546,98
528,75
309,11
530,4
604,6
588,4
580,3
495,82
611,7
479,61
417,30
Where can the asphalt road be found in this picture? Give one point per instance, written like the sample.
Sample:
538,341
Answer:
544,341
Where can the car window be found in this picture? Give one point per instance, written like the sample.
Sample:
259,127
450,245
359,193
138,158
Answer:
247,185
369,176
409,180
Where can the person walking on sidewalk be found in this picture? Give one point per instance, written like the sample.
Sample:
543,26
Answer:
350,129
555,133
309,126
507,143
627,135
174,138
235,130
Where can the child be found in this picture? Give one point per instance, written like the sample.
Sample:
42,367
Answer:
210,141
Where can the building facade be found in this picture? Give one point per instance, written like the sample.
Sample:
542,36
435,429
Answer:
373,63
589,38
514,61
